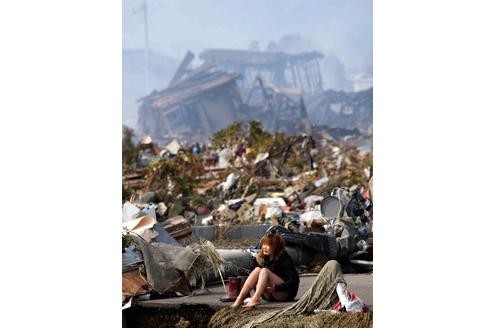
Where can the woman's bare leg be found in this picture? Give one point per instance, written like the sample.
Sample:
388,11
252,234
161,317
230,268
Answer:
266,278
249,284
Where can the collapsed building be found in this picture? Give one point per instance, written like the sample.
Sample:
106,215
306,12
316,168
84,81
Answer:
204,100
284,91
300,71
348,110
193,105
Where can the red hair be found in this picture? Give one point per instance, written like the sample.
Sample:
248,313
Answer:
277,244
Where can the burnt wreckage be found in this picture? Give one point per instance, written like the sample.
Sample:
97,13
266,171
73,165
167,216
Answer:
238,85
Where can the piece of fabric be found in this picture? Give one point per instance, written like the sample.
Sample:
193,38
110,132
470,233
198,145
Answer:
163,263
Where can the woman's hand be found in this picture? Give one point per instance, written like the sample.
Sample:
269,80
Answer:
269,289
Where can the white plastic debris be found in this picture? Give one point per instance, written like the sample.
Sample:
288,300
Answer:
367,172
273,212
350,305
129,212
161,209
142,226
233,201
307,219
321,182
310,215
173,147
223,158
229,182
339,161
146,140
150,209
261,157
207,220
275,202
311,200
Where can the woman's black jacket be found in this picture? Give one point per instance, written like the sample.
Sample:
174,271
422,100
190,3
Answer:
285,269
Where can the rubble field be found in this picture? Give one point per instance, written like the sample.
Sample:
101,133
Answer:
193,214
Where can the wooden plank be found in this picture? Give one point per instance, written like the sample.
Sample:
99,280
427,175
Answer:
182,67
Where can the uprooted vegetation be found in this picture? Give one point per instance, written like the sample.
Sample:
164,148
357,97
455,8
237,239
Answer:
262,162
173,177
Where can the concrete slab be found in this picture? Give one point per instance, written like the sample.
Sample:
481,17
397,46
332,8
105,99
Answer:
360,284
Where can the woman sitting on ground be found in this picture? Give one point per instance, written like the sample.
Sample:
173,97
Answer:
275,279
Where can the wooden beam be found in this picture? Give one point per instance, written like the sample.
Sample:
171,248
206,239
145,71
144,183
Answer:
308,80
320,82
294,81
182,67
301,84
167,123
202,115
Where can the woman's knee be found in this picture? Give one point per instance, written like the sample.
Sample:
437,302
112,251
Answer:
265,271
256,271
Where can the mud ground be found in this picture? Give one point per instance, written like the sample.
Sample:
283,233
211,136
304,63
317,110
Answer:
184,316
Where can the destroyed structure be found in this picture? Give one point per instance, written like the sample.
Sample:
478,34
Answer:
282,90
198,104
299,71
347,110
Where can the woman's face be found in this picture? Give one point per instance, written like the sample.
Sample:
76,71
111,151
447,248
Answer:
267,249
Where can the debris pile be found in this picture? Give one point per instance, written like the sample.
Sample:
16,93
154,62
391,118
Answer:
312,189
224,180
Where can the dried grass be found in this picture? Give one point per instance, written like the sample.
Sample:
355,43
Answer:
208,258
228,317
355,320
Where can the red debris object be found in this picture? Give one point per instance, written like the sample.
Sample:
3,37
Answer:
202,210
233,290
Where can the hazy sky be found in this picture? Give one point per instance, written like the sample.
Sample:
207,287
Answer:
175,26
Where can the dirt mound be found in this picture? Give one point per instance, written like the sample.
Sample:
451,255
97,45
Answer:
230,317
